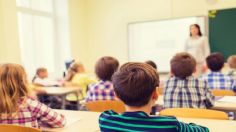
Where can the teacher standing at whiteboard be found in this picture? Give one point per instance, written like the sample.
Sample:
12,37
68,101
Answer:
198,46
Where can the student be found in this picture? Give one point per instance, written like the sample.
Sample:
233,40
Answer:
215,79
182,90
77,77
16,107
41,78
232,65
103,90
135,84
151,63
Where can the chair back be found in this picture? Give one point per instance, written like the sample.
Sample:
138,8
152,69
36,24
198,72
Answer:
220,92
194,113
17,128
103,105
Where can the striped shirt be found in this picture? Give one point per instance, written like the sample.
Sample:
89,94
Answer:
32,113
187,93
109,121
103,90
217,80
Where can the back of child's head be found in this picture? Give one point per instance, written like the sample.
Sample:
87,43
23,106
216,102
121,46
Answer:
76,67
151,63
134,83
232,61
215,61
41,72
13,86
105,67
183,65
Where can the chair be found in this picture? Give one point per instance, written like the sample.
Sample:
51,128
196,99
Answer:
17,128
103,105
220,92
194,113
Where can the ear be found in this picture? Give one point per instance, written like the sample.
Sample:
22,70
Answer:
155,94
116,97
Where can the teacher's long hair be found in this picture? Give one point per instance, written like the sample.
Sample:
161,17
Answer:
198,27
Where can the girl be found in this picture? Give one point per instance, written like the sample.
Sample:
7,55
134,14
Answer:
77,77
16,107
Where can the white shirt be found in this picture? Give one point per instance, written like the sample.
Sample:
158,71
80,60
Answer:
198,48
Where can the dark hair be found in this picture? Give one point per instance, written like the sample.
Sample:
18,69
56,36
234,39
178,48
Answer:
198,27
215,61
134,83
183,65
151,63
105,67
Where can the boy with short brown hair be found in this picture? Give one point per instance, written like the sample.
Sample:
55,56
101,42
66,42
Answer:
183,90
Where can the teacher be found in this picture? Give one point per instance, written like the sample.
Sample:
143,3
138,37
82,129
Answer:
198,46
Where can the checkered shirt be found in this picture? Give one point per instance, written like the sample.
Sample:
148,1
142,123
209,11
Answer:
32,113
187,93
103,90
217,80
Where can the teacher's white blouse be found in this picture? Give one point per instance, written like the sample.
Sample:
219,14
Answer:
198,48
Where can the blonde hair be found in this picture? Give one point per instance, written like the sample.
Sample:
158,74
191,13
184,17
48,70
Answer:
73,69
13,86
232,61
38,71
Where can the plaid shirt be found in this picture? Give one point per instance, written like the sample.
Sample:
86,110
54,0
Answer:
187,93
32,113
217,80
103,90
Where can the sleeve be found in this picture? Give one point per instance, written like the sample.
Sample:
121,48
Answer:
209,96
88,95
186,46
206,47
233,84
183,127
46,115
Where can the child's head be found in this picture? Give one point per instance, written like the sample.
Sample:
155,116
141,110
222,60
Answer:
215,61
13,86
183,65
105,67
74,68
42,73
77,67
232,61
151,63
135,84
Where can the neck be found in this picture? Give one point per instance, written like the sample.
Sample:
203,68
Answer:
146,109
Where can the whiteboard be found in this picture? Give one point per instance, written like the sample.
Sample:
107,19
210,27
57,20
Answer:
160,40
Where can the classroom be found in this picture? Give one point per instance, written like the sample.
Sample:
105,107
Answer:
118,65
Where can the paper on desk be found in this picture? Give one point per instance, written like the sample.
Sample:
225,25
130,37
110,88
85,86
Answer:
229,99
71,120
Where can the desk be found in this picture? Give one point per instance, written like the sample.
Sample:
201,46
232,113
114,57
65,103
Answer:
89,123
62,92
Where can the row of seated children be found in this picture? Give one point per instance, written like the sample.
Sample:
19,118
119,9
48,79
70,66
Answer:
185,90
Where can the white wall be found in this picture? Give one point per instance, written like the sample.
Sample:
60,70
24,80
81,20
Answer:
9,40
99,27
107,21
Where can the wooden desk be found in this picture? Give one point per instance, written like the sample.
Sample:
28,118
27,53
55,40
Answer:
88,122
62,92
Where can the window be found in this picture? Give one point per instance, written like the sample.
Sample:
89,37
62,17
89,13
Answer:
44,36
